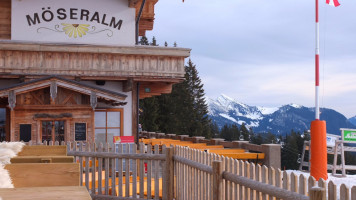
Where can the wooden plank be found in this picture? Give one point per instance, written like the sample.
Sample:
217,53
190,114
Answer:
293,182
190,185
264,180
169,174
244,156
142,170
87,149
120,169
43,151
127,172
303,186
253,177
317,194
134,170
81,164
241,173
344,192
106,163
353,193
311,182
332,191
41,159
217,180
156,175
100,169
93,168
44,193
208,177
195,173
247,175
279,179
164,189
286,181
113,173
271,179
44,174
149,173
258,178
227,183
221,151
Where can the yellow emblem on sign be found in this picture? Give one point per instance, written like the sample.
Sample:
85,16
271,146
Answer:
75,30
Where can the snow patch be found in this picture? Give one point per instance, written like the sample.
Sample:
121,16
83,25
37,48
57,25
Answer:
295,105
254,124
228,117
253,116
267,111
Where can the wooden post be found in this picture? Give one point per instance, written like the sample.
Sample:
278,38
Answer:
317,193
169,174
13,137
217,180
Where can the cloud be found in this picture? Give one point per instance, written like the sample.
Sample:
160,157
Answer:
262,52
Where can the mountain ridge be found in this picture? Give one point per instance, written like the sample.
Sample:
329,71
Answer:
278,120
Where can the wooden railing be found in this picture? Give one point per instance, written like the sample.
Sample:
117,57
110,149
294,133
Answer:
272,152
184,173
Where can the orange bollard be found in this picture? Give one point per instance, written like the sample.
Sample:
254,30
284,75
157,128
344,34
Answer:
318,160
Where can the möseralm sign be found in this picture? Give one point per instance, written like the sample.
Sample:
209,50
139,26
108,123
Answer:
109,22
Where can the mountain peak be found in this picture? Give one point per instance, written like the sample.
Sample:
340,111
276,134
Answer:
225,110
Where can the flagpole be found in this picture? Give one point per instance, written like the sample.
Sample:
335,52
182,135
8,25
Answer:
318,154
317,108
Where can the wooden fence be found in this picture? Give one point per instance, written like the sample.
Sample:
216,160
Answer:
184,174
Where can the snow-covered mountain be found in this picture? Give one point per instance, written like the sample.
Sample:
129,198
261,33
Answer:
278,120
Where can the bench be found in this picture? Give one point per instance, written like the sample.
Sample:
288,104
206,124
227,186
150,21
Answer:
244,156
43,151
208,147
221,151
43,174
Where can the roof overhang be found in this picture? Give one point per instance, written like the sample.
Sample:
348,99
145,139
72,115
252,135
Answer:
65,83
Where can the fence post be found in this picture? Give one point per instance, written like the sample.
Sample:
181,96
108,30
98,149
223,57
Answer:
272,155
317,193
217,180
169,174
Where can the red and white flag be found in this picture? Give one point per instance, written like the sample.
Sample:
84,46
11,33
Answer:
334,3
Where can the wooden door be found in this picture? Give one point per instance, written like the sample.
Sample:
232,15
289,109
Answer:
53,130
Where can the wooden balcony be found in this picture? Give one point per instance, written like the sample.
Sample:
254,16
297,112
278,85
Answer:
141,63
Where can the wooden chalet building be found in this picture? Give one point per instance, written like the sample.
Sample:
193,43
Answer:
70,69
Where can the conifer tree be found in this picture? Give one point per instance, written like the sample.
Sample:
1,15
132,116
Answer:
144,41
154,41
244,132
149,114
214,129
200,121
175,44
166,44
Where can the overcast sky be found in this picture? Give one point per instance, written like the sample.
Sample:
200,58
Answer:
262,52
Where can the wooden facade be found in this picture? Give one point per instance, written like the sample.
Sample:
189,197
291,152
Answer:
146,22
88,80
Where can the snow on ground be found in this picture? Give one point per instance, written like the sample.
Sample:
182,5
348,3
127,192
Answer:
349,180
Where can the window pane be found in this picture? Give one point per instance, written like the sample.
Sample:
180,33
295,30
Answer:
100,118
100,136
112,133
113,119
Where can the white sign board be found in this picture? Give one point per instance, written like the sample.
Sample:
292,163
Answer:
108,22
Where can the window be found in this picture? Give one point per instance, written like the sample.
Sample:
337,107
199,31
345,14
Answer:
108,123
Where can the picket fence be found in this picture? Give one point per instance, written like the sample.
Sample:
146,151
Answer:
183,173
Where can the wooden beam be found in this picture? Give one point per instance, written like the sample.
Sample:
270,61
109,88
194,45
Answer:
127,85
134,111
133,3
